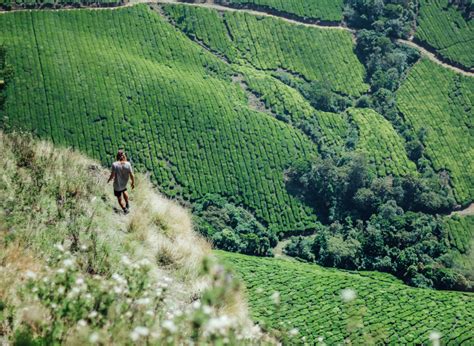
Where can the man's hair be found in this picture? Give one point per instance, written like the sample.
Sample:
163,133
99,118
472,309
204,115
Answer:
120,155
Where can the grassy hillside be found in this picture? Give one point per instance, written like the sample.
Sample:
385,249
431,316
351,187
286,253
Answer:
445,28
437,104
74,271
128,78
326,10
384,310
270,44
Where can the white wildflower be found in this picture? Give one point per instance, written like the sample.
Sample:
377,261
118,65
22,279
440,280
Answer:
34,289
82,323
92,314
125,260
293,332
348,295
143,331
79,281
196,304
59,247
128,314
275,297
134,336
30,275
143,301
118,289
68,262
217,325
435,338
88,296
94,338
207,309
61,289
170,326
320,339
144,263
61,271
45,280
83,247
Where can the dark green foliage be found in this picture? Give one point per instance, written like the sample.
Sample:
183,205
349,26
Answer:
393,18
376,223
232,228
386,64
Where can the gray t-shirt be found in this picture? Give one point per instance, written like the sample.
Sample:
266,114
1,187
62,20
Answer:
122,172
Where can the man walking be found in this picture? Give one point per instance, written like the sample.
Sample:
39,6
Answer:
121,172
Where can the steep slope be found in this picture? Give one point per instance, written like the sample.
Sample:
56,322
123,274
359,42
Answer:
73,269
269,44
98,80
364,307
319,10
437,103
444,28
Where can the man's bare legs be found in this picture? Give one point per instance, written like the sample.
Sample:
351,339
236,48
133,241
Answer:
121,202
125,195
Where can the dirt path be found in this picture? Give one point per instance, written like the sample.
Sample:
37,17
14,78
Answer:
464,212
433,57
278,250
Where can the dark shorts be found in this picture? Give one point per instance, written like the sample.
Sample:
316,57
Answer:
119,193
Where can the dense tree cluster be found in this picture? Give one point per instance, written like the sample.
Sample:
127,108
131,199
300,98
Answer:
393,18
376,223
232,228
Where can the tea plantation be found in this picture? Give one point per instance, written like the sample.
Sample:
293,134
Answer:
437,103
9,4
383,311
98,80
271,44
327,10
379,140
446,28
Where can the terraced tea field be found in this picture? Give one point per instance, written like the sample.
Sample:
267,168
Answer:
269,44
439,102
385,149
460,232
8,4
326,10
444,28
310,300
99,80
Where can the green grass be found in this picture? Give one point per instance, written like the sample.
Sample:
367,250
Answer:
440,101
327,10
8,4
385,149
444,28
391,312
271,44
100,80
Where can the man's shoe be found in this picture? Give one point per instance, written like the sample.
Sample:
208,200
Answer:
126,211
127,206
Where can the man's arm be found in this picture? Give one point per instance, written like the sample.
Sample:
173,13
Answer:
132,178
112,176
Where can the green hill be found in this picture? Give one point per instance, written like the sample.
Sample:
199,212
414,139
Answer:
326,10
437,103
98,80
270,44
384,310
445,27
9,4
